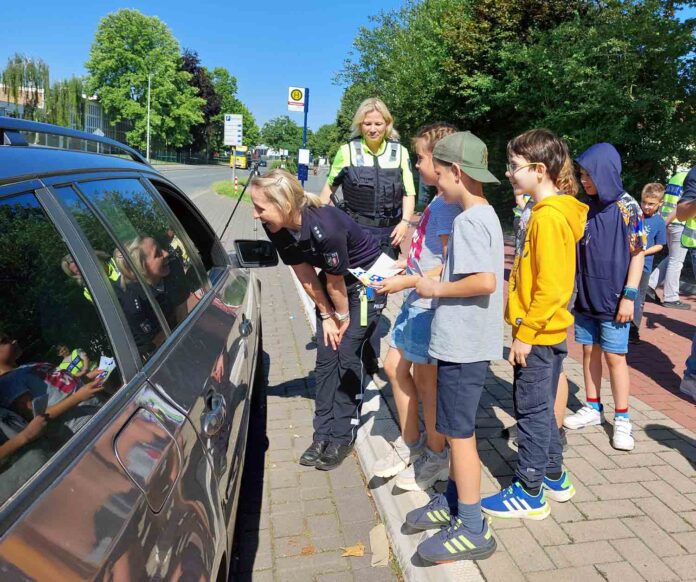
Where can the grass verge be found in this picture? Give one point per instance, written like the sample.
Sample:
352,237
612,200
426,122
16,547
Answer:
226,188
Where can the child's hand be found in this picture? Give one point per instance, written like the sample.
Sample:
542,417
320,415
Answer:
518,353
88,390
401,264
427,287
391,285
626,309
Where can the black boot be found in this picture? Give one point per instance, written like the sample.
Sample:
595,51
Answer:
310,457
333,456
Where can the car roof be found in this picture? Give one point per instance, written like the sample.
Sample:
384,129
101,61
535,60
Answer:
19,163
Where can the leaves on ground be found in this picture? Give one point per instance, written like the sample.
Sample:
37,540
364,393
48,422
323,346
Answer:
356,551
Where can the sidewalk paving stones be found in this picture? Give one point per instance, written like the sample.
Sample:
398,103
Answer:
634,517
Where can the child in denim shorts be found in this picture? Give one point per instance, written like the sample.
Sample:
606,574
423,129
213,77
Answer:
417,460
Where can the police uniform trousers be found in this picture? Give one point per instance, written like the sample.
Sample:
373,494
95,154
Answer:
340,375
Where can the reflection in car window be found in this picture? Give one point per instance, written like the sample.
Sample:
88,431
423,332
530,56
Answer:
147,253
56,362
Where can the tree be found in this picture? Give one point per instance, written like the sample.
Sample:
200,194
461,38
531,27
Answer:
66,103
325,142
282,133
28,78
202,133
225,85
128,47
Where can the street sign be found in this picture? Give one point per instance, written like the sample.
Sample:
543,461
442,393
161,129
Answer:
233,129
302,173
296,99
303,156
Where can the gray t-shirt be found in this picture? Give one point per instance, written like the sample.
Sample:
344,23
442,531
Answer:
426,246
470,329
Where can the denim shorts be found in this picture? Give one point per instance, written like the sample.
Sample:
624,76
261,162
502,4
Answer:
611,336
411,333
459,389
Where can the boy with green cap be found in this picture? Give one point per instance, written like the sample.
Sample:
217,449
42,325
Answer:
467,332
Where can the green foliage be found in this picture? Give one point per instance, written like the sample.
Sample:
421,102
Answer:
66,104
282,133
325,142
225,85
619,71
26,77
226,188
289,164
128,47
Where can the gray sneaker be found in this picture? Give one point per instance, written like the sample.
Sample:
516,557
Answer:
425,471
688,386
398,458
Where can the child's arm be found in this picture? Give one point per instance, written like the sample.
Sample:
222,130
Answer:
80,395
469,286
653,250
635,272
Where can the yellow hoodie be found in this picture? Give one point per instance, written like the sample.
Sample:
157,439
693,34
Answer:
543,275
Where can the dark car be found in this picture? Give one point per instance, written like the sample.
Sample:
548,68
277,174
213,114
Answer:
129,348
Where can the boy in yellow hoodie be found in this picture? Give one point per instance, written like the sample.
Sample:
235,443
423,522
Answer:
541,284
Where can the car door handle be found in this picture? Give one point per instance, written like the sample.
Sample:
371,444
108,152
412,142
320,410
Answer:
246,327
213,418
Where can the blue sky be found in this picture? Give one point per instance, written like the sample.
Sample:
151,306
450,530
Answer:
267,45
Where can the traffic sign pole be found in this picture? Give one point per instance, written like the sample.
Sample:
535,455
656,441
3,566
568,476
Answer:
303,174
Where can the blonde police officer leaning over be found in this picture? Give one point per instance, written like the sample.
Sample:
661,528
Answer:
374,171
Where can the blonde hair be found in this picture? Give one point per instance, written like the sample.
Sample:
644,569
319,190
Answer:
285,191
432,133
653,190
134,249
368,106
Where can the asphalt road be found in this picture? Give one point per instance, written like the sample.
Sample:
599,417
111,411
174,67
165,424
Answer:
197,180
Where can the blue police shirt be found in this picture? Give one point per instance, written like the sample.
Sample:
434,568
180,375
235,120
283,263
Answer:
329,240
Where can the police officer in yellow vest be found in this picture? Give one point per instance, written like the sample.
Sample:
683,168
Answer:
374,172
669,270
686,210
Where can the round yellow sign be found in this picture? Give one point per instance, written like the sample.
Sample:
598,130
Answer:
296,94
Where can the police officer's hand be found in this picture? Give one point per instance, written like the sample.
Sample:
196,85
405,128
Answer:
332,332
427,287
398,233
342,328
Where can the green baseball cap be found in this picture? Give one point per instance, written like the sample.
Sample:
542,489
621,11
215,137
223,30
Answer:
468,152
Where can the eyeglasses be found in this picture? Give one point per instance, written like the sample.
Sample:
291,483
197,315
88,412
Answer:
513,169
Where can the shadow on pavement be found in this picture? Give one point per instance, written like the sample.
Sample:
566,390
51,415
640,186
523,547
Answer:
246,535
674,439
672,324
651,361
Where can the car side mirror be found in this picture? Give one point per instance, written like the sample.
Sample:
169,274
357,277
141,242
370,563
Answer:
255,253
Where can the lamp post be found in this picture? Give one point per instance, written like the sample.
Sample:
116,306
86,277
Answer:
149,81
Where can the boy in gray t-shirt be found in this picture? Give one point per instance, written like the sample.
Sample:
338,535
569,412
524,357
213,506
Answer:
467,333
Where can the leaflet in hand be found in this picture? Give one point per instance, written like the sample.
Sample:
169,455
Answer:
384,268
106,365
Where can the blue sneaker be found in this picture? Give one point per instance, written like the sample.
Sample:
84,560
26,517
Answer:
516,502
436,513
458,543
560,490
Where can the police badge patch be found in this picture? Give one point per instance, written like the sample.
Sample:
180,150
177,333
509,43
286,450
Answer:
331,259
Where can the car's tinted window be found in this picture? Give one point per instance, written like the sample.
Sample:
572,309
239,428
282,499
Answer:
149,252
53,345
211,252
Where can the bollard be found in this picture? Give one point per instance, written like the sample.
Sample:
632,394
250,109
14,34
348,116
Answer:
236,184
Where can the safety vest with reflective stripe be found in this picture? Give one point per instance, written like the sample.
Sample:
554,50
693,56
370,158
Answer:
111,271
673,193
75,364
373,185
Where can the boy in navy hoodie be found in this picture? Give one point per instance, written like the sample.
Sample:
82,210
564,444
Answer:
609,268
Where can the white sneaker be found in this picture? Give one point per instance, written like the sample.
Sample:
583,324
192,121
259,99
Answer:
398,458
623,434
586,416
688,386
426,470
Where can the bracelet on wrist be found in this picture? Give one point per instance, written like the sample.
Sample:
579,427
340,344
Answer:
342,316
630,293
325,316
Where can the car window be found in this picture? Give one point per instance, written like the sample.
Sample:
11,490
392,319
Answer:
55,355
202,237
149,254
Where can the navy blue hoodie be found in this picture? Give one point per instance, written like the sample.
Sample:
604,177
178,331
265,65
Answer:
614,228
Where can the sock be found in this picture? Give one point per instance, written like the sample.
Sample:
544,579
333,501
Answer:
595,403
441,455
533,491
621,413
471,516
554,476
451,495
414,444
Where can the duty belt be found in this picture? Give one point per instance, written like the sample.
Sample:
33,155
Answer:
367,221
